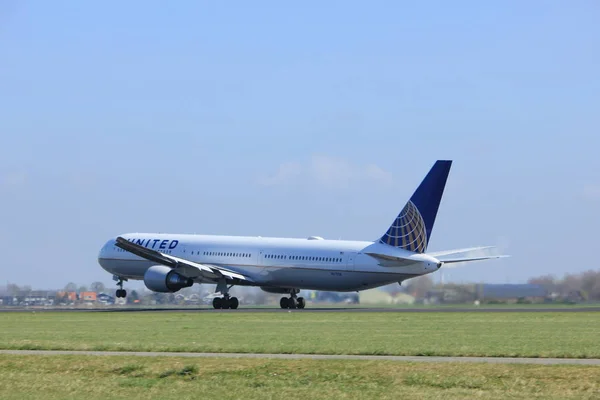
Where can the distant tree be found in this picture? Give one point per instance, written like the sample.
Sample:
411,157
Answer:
548,282
132,297
64,299
83,288
97,287
12,289
70,287
572,287
591,284
570,283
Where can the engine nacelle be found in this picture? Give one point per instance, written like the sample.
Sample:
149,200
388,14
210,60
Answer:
165,280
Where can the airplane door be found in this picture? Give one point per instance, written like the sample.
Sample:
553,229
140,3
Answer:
350,261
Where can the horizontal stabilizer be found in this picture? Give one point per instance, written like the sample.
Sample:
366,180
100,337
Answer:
440,254
461,260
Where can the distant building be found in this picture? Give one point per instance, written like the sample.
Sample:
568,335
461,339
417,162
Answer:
105,298
489,291
87,296
377,296
68,297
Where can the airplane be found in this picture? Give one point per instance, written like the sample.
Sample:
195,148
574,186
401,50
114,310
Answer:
170,262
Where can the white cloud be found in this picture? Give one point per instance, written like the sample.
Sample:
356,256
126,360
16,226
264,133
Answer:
327,171
14,179
591,192
286,173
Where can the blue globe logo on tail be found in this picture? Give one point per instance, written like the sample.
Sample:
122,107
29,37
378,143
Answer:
411,230
408,230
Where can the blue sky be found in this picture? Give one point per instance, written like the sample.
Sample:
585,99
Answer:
315,118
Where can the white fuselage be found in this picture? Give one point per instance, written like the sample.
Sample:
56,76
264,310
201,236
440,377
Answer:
315,264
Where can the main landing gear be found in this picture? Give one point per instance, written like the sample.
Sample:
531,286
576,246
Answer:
121,293
292,301
226,301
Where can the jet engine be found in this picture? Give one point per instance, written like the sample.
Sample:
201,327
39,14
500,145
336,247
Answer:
165,280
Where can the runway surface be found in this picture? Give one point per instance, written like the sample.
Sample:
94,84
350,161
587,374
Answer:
310,310
488,360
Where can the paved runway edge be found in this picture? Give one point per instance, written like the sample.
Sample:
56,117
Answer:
488,360
308,310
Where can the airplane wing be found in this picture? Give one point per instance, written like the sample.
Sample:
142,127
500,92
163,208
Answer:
184,267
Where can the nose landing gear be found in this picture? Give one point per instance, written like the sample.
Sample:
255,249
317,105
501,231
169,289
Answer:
120,293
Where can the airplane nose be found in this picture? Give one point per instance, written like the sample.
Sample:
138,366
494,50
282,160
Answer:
105,248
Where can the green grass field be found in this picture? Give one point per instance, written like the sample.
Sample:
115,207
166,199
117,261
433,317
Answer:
552,334
89,377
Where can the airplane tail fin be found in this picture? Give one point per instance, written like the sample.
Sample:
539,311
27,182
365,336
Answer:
412,228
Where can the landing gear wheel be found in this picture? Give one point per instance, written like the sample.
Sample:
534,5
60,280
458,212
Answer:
225,303
234,303
301,303
217,303
284,302
121,293
292,302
